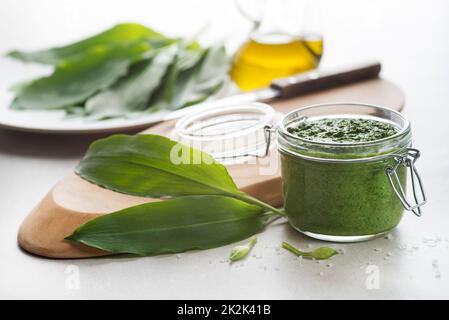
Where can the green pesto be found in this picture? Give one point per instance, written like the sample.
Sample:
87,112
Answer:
341,199
342,130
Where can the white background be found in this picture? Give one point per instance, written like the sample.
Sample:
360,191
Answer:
412,40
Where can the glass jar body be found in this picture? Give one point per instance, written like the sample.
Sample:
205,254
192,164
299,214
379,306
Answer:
343,191
334,201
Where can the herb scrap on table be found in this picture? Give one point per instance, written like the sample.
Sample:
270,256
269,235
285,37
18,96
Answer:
322,253
240,252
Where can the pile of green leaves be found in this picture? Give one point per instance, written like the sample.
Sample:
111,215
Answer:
128,69
204,208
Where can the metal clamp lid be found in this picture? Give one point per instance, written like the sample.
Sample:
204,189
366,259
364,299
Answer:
408,160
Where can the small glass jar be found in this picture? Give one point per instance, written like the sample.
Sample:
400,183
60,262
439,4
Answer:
231,134
347,192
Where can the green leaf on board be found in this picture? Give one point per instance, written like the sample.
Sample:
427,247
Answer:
121,34
171,226
240,252
155,166
76,80
321,253
132,92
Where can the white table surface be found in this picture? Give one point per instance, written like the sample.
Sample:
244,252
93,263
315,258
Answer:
412,40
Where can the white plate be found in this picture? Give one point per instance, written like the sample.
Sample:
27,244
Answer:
55,121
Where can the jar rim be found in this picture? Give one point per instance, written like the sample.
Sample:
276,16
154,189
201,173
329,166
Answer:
231,134
266,115
402,131
344,152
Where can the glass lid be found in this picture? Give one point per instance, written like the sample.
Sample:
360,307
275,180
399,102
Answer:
229,134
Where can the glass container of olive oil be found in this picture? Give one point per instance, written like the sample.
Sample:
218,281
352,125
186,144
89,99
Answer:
279,44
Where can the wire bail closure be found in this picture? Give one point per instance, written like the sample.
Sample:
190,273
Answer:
268,132
408,160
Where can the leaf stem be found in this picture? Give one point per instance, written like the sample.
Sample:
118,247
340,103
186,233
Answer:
321,253
295,250
248,199
273,217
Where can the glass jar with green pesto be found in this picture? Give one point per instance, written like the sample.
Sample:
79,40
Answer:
344,170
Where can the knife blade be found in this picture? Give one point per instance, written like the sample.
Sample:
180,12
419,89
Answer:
295,85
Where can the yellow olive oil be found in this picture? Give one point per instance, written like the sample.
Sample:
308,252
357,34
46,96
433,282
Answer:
260,61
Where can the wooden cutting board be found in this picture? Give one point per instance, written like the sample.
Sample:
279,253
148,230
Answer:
73,201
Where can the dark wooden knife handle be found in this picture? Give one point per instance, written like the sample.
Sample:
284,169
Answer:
319,80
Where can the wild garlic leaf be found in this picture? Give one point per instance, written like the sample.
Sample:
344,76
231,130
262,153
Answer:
76,80
321,253
196,83
153,166
99,74
171,226
132,92
240,252
121,34
187,57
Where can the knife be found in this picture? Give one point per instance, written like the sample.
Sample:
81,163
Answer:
295,85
